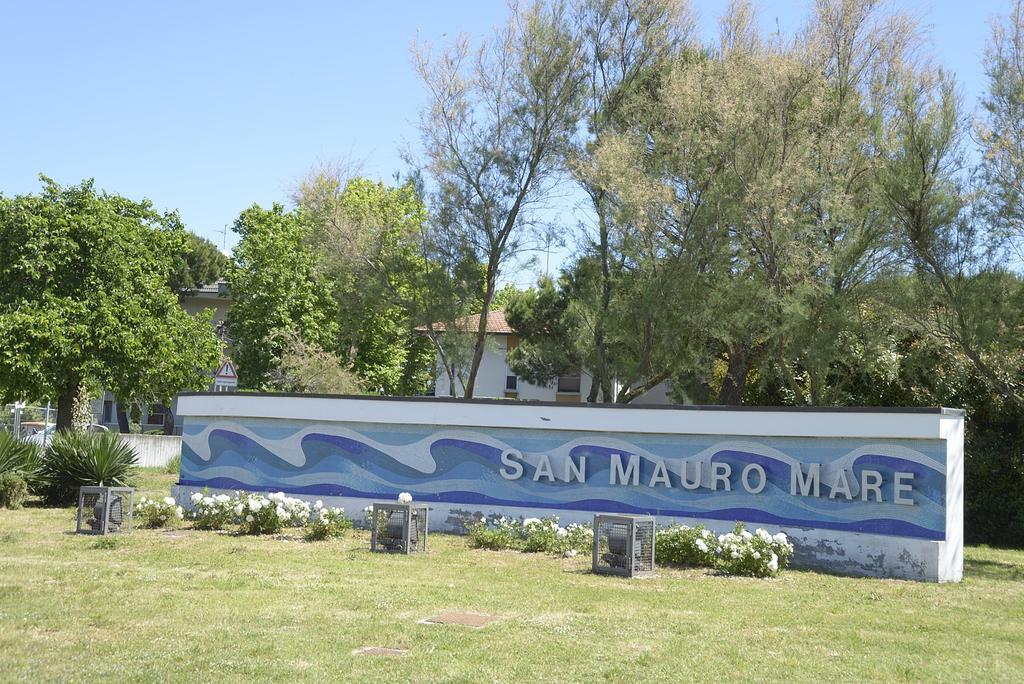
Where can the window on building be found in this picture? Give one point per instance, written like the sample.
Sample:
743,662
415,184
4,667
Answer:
511,383
156,414
569,384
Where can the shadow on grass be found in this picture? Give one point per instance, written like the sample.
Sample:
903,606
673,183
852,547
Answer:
994,570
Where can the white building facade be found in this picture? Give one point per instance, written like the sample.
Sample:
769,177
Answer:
496,379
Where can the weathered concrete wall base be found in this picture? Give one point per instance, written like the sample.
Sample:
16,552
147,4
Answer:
154,450
843,553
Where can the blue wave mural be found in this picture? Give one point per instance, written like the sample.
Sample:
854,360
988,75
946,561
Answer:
675,474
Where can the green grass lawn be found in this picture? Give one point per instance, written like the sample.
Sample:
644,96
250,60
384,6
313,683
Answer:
200,606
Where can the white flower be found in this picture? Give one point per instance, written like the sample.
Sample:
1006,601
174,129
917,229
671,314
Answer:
249,518
238,509
531,521
734,554
196,497
405,497
561,532
746,535
701,545
763,535
318,505
773,564
255,505
781,538
571,553
757,555
222,498
180,512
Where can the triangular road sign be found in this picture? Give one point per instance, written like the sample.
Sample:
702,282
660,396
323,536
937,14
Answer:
227,371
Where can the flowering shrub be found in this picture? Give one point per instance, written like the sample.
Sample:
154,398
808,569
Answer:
157,512
760,554
540,535
533,535
258,514
266,514
684,545
211,512
575,538
737,553
405,497
326,523
503,533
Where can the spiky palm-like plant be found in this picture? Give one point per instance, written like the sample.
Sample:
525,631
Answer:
75,459
19,456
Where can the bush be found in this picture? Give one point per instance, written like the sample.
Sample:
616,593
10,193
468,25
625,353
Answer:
738,552
13,490
157,512
755,555
533,535
575,538
502,534
173,466
253,513
258,514
74,459
540,535
20,456
683,545
326,523
211,512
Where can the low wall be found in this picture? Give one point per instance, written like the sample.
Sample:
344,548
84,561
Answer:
154,450
860,491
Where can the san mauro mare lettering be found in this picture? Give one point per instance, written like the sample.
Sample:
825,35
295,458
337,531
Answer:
805,480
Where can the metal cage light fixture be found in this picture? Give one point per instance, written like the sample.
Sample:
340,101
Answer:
623,545
399,527
105,510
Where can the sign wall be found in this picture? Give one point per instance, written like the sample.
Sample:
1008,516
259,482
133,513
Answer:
847,483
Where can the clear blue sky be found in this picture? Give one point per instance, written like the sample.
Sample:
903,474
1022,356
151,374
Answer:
209,107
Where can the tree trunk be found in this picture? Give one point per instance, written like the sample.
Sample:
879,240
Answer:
601,372
168,421
735,381
122,419
481,331
66,404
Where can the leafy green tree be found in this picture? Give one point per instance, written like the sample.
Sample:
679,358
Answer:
504,297
741,184
198,263
308,368
278,293
84,297
367,239
960,296
1001,132
624,43
546,346
495,123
